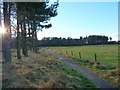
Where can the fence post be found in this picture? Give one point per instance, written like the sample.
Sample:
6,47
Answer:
95,58
79,55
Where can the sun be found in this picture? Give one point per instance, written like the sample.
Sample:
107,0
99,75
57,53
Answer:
2,30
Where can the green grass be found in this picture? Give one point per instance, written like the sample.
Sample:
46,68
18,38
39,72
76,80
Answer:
107,59
106,54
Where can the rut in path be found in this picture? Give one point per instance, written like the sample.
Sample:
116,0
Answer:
100,83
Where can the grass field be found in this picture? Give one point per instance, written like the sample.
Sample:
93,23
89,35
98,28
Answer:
106,65
106,54
41,71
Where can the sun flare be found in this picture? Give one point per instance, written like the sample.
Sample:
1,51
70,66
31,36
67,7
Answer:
2,30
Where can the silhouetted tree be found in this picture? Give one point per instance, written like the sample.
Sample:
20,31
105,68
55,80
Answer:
90,40
32,17
110,38
6,39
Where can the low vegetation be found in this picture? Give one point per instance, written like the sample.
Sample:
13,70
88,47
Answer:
105,65
41,71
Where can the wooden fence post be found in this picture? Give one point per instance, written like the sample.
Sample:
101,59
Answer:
79,55
95,58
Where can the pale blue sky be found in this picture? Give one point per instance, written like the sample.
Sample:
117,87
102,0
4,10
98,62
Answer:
77,19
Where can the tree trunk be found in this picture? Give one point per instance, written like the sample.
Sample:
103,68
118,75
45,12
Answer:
6,39
18,43
33,43
22,38
34,37
29,36
25,40
36,49
18,35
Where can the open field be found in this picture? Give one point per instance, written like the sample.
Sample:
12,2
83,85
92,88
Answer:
106,65
106,54
42,71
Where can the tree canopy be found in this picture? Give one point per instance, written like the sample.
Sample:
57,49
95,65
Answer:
31,17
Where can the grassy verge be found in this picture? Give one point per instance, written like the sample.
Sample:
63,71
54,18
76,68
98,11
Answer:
41,71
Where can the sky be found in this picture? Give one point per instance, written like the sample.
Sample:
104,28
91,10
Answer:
77,19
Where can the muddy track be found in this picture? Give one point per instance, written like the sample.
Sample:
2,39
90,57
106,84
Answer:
100,83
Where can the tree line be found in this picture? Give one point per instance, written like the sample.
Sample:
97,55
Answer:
31,17
90,40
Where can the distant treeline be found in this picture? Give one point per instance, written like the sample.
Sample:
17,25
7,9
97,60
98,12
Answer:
90,40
